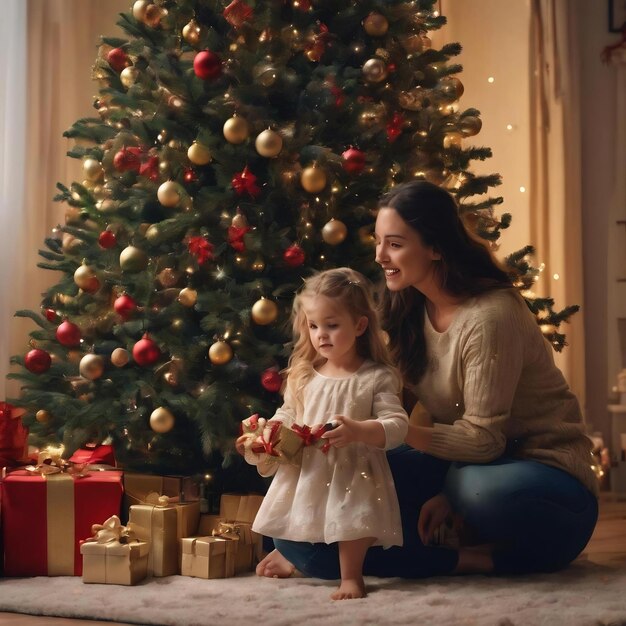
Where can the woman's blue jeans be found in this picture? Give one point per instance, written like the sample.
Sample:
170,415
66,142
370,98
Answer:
539,517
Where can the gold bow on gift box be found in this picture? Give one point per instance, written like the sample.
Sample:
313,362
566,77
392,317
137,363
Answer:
112,530
50,461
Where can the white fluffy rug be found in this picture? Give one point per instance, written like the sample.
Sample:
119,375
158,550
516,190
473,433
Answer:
586,594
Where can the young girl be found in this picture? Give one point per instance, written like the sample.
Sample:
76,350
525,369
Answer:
339,372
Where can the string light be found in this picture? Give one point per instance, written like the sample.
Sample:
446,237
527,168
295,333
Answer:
556,276
491,79
522,189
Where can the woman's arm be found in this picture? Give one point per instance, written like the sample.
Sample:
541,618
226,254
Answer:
419,437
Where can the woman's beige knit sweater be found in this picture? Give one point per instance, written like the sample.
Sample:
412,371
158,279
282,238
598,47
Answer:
492,387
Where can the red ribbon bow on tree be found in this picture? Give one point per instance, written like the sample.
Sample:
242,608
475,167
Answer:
201,249
235,237
245,182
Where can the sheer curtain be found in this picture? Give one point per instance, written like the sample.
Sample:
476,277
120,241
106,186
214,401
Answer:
13,71
555,207
46,86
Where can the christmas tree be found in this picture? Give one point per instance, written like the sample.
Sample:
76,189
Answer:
236,149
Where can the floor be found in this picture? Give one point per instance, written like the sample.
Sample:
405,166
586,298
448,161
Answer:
607,547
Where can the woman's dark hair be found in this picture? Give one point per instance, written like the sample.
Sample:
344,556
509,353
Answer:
467,268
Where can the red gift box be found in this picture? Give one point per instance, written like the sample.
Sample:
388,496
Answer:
45,517
13,435
94,455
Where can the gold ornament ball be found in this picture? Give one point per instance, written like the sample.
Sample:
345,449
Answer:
452,140
188,297
153,234
313,179
198,154
133,259
43,416
91,366
264,312
93,169
239,221
236,130
374,70
375,24
86,278
153,15
129,76
269,143
120,357
416,43
470,125
334,232
168,193
192,32
452,88
169,277
220,353
139,9
161,420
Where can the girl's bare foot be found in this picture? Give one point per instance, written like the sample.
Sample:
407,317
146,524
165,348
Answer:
275,565
350,589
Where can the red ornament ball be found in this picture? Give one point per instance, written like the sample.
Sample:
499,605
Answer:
50,314
107,239
127,159
124,305
294,255
353,161
117,59
271,380
207,65
37,361
68,334
190,176
146,352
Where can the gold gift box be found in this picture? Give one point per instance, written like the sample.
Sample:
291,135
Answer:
157,525
114,563
208,557
239,511
181,490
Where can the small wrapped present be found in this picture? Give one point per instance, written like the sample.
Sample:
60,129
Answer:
45,514
271,442
181,491
156,521
114,555
208,557
94,455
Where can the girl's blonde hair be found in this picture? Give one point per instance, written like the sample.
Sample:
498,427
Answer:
353,292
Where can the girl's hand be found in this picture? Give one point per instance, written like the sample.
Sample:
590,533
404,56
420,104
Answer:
239,444
433,514
346,431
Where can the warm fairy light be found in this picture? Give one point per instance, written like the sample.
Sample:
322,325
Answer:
207,477
555,276
542,266
522,189
435,13
491,79
219,273
509,126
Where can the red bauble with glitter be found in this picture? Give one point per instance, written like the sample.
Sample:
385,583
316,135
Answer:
271,380
107,239
124,305
353,161
117,59
37,361
127,159
68,334
294,255
146,352
190,176
207,65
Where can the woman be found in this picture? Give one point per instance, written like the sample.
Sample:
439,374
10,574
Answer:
506,452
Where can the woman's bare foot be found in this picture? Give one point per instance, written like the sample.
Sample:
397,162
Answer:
275,565
350,589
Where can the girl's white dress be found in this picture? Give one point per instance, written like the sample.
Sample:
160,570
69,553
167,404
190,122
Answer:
346,493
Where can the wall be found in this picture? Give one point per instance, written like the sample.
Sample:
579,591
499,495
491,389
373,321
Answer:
598,115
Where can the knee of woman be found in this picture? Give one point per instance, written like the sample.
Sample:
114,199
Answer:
468,486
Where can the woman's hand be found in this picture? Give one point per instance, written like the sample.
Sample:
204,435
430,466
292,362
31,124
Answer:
433,514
